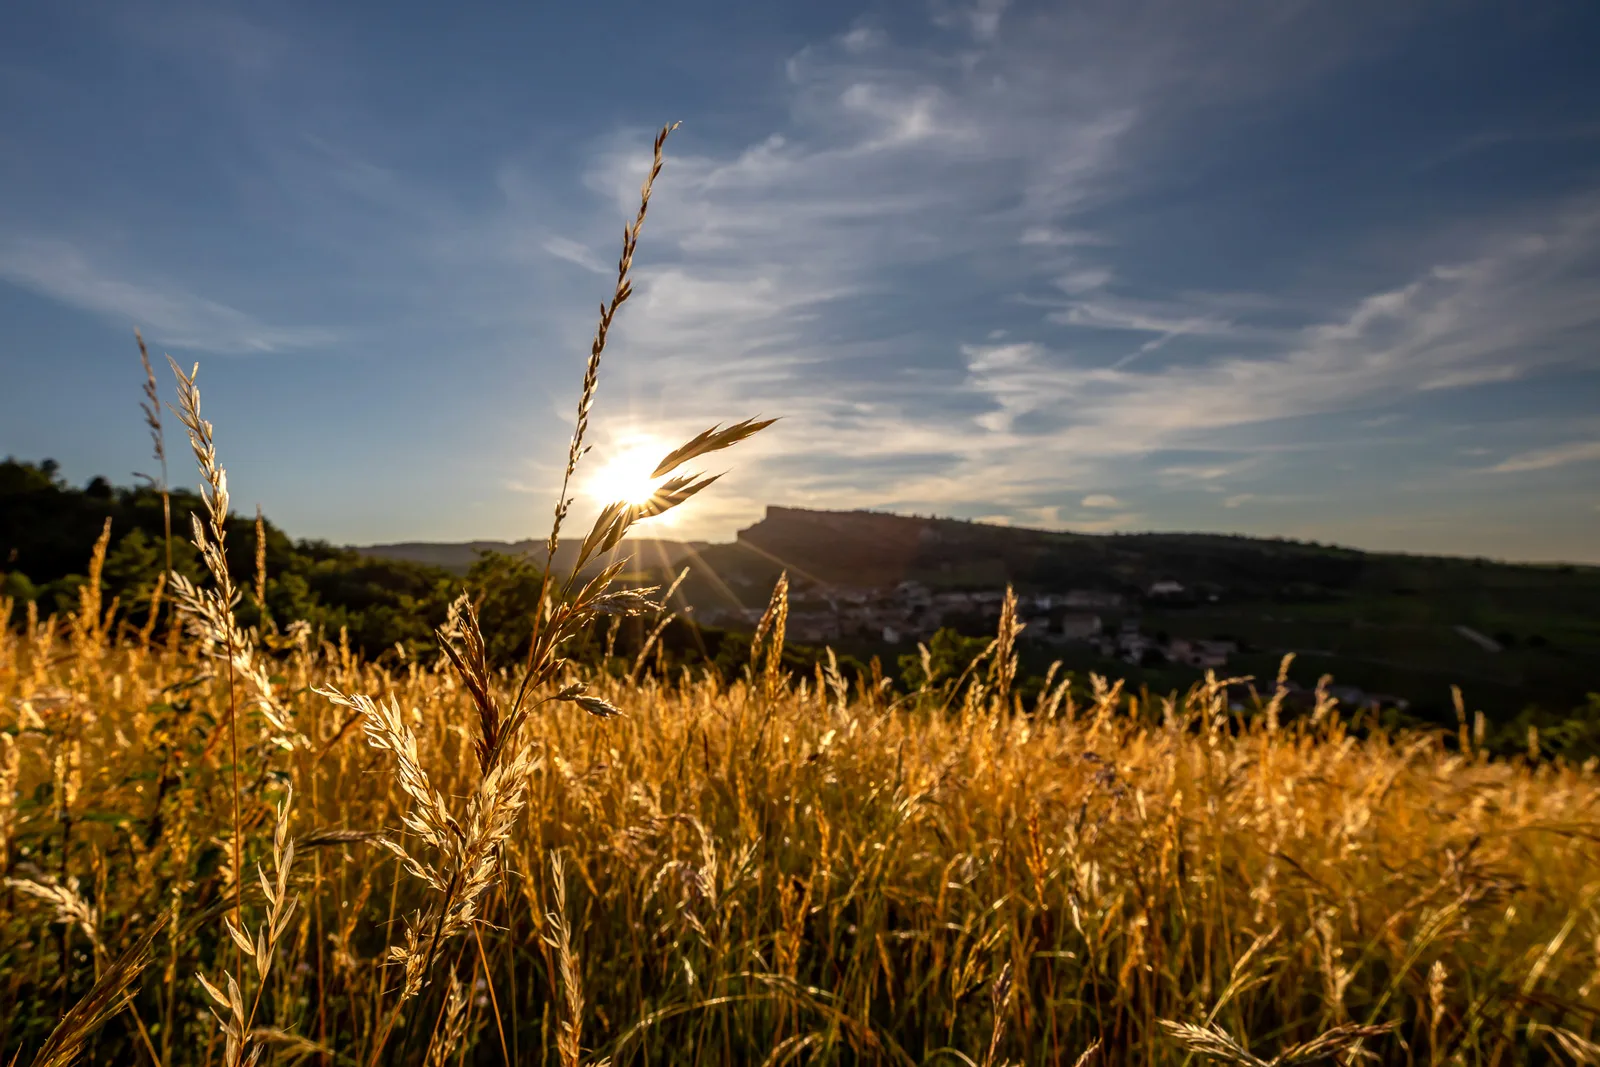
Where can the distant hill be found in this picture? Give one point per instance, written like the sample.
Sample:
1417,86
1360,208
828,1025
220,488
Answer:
458,556
1389,622
876,548
1509,634
865,549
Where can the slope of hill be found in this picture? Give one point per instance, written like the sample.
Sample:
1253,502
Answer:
862,550
872,549
458,556
1509,634
1385,622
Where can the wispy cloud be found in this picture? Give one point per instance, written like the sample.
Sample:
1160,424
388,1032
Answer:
1120,522
204,35
787,283
980,18
1546,458
1029,260
573,252
168,313
1508,312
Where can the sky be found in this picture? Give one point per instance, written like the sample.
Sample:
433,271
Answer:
1328,271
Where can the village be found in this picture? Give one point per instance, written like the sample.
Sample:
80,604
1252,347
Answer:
1105,622
911,611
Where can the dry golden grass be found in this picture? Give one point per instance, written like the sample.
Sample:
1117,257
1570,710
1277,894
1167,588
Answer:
451,861
789,869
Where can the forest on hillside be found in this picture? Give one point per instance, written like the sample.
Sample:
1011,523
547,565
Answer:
380,608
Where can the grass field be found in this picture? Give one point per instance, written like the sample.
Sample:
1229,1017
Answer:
231,845
784,869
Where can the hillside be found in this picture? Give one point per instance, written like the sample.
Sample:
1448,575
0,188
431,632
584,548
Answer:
873,549
870,584
1385,623
1411,626
458,556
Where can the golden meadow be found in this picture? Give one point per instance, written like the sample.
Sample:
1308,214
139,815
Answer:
229,845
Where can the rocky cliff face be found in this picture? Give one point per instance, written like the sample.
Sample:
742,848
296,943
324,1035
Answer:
860,548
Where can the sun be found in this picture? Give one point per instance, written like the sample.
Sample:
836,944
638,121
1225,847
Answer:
625,475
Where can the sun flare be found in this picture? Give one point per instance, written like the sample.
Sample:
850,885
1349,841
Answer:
625,476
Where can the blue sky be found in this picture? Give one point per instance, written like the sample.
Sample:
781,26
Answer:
1327,271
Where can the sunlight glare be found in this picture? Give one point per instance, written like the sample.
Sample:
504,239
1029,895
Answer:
626,475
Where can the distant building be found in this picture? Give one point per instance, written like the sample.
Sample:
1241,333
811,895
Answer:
1356,697
1078,627
1488,644
1165,587
914,594
1133,646
1348,694
1092,599
812,626
1199,654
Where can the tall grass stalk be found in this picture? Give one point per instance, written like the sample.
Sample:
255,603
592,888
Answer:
150,406
212,609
